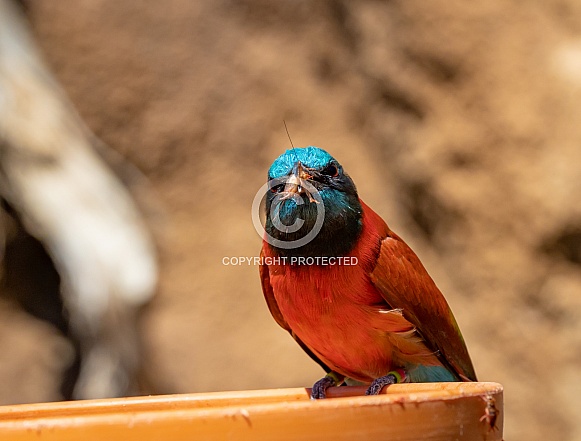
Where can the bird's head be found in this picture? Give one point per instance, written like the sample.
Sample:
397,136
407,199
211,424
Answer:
310,191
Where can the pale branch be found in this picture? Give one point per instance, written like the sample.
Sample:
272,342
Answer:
73,203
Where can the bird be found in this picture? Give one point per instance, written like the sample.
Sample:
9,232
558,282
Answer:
354,296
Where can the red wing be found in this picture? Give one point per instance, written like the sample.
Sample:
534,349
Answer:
275,311
269,295
404,283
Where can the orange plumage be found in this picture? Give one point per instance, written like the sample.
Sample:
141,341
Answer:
341,313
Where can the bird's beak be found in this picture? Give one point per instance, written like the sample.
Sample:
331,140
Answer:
294,183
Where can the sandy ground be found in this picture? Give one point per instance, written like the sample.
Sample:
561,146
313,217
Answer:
458,122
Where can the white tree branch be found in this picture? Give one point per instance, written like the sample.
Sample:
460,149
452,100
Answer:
69,199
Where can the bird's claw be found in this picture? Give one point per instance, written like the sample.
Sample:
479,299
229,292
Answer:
319,390
380,383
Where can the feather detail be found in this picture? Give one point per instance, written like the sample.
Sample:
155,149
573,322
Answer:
341,317
362,321
404,283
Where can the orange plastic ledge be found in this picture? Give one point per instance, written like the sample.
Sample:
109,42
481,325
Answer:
434,411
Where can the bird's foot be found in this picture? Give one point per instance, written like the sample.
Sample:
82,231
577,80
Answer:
393,377
319,390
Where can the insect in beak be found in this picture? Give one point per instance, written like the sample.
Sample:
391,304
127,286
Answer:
295,184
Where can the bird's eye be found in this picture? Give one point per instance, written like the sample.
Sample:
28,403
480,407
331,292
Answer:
330,170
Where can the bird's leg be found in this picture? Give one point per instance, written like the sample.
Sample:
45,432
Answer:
397,376
320,387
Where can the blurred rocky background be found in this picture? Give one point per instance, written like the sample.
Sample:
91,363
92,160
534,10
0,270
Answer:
458,121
